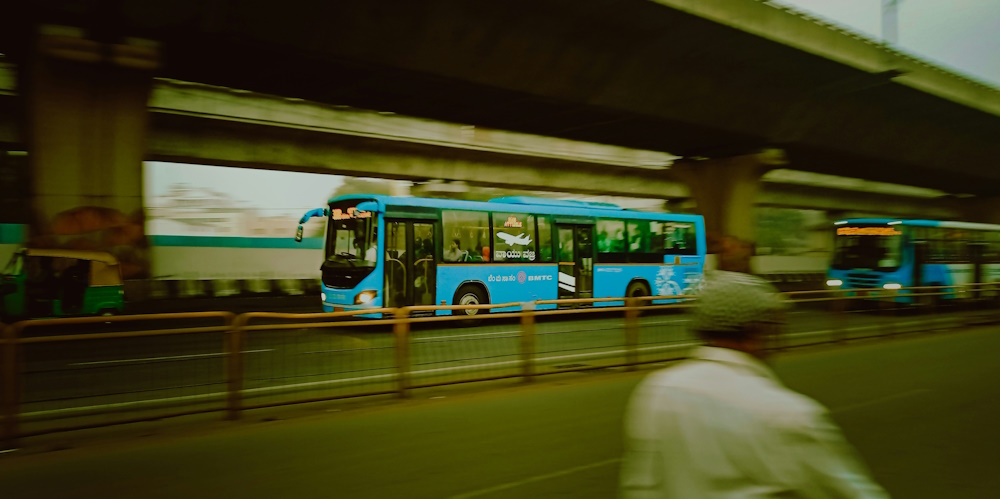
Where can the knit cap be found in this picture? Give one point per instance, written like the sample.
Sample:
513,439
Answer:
726,301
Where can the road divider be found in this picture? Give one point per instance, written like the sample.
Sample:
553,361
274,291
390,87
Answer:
85,372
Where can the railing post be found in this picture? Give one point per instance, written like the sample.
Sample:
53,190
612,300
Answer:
888,305
234,368
778,339
528,345
401,333
935,302
8,377
995,301
631,333
840,306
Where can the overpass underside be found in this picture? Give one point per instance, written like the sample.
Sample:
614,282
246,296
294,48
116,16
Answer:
209,125
202,124
721,83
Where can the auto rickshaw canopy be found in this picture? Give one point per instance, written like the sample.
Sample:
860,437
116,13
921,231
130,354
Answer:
104,268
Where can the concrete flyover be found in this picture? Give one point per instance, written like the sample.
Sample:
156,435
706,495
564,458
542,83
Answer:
212,125
709,78
735,87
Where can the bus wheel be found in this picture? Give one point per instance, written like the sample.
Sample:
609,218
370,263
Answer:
470,295
637,289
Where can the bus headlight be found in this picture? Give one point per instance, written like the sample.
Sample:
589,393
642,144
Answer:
834,283
322,297
365,297
891,285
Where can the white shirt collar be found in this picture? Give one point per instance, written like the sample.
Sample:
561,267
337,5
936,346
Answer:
736,358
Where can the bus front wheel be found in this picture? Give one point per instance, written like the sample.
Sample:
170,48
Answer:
471,295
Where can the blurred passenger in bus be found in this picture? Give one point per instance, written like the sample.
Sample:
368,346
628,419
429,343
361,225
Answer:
603,244
418,248
721,424
371,254
454,252
428,249
617,244
484,251
633,238
565,246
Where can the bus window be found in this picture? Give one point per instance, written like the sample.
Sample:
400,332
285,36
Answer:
514,237
544,239
468,231
645,245
638,236
611,244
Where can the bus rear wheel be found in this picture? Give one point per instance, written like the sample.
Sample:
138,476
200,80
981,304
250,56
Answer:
638,289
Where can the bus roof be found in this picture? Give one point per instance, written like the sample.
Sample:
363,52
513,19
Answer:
919,223
518,203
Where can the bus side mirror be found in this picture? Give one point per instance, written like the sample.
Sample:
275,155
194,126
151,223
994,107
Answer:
298,234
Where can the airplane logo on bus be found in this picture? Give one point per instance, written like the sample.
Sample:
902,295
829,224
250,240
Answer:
521,239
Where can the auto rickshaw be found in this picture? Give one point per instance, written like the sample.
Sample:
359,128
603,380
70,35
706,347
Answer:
60,282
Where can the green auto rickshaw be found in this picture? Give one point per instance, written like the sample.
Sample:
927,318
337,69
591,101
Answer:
59,283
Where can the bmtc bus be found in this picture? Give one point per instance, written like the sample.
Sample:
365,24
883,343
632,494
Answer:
388,251
892,254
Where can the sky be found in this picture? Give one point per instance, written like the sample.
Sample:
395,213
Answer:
960,35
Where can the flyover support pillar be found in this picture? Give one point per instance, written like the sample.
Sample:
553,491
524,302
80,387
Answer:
86,113
724,190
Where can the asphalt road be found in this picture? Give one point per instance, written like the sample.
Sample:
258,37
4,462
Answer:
922,411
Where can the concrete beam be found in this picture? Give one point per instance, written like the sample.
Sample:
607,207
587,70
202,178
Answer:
192,140
172,97
213,125
796,29
819,198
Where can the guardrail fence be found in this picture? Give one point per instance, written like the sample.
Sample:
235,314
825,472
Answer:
75,373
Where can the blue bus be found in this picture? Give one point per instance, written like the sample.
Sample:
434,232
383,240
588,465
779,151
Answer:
388,251
891,253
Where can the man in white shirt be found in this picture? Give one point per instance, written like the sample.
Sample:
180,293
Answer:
721,425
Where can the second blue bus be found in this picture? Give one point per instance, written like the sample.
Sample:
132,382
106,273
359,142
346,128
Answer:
894,254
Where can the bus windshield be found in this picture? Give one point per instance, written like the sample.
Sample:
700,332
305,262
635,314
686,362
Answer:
352,237
874,250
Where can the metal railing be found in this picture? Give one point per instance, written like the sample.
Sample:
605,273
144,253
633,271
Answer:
67,374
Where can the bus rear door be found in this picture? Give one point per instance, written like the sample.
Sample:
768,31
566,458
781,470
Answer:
576,260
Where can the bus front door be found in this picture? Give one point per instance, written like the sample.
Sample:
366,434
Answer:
576,260
410,270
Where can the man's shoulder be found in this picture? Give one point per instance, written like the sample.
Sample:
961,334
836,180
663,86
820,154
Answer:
760,395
